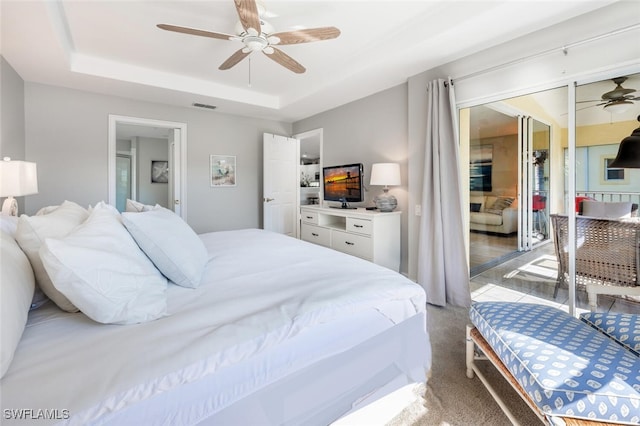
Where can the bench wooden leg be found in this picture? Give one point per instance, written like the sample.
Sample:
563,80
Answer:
470,353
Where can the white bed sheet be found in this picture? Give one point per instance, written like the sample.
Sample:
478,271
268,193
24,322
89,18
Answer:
263,313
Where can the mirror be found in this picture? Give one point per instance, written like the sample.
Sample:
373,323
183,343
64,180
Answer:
142,158
147,162
310,166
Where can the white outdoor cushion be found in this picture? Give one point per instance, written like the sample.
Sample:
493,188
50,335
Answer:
16,288
103,272
606,209
31,233
170,244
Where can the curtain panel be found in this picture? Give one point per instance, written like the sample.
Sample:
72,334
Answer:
443,270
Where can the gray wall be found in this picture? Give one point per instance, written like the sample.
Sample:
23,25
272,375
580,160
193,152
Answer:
369,130
67,131
12,141
152,149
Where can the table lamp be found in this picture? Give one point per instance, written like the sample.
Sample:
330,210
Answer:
17,178
385,174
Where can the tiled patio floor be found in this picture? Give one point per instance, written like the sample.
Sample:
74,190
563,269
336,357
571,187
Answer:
531,277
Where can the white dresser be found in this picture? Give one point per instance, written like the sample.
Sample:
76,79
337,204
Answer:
368,234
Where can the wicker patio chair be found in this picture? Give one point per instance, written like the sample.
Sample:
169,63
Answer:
607,256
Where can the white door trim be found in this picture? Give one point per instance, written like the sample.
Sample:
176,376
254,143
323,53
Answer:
111,154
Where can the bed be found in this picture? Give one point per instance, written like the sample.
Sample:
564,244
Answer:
279,331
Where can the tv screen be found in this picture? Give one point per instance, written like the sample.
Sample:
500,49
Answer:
343,183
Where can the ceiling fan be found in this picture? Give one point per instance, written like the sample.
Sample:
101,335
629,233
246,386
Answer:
258,35
617,100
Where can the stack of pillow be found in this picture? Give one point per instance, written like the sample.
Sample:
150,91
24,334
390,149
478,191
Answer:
112,267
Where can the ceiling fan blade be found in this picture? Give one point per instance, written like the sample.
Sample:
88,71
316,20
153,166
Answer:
592,100
193,31
248,14
286,61
234,59
307,35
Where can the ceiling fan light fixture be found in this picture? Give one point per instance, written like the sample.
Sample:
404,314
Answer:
629,151
255,43
618,107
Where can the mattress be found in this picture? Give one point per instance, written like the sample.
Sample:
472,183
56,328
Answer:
271,311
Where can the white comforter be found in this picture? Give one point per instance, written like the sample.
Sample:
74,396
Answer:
259,290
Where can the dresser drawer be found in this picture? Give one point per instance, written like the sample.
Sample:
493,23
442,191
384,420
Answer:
309,217
361,226
356,245
315,234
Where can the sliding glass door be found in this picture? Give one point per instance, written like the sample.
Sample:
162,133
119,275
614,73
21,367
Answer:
533,172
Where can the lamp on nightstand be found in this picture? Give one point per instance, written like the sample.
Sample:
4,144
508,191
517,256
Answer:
17,178
385,174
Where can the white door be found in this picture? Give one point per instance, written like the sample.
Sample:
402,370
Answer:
281,184
535,140
174,171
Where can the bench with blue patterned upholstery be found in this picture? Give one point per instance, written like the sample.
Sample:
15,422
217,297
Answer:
567,368
623,328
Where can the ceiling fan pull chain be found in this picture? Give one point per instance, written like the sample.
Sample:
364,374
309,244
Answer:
249,72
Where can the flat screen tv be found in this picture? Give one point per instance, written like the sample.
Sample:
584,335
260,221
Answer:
343,183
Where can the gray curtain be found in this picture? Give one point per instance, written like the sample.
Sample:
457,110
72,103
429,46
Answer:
442,266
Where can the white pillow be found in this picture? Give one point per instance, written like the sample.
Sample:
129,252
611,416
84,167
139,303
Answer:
31,233
16,291
170,244
102,271
136,206
9,224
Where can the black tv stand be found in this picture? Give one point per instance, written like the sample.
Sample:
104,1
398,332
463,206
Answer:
344,206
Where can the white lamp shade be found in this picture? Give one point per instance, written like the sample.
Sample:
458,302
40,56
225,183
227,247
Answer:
385,174
18,178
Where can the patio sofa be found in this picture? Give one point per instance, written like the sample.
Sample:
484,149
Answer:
569,371
490,213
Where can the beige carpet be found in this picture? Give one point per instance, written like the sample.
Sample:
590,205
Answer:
450,398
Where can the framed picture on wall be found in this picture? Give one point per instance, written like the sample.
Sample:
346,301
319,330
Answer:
159,171
223,170
480,168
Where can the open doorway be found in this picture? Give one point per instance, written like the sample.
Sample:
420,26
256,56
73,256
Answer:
513,145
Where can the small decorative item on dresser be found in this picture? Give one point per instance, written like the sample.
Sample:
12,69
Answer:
385,174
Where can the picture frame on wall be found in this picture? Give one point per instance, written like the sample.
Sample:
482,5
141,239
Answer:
159,171
223,170
480,168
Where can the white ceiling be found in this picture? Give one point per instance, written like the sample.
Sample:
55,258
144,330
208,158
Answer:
115,47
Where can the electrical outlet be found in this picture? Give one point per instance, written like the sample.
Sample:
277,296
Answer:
418,210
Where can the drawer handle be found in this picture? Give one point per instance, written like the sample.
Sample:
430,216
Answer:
314,234
349,243
358,226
